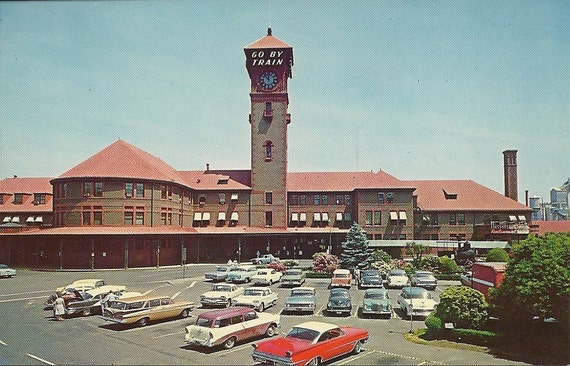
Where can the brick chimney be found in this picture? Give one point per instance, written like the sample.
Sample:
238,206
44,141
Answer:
511,180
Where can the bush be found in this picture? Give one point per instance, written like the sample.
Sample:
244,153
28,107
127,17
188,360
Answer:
434,325
473,336
312,274
497,255
447,265
280,266
463,306
324,262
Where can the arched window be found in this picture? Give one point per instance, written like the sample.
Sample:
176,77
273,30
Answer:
268,147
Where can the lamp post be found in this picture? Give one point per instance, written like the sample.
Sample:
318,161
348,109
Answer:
411,305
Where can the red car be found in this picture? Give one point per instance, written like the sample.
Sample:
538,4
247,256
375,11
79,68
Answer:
310,343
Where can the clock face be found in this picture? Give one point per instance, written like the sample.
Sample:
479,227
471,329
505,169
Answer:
268,80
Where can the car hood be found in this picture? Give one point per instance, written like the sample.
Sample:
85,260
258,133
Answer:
422,303
300,299
398,279
338,300
376,302
247,298
217,293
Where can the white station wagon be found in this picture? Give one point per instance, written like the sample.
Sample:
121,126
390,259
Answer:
258,298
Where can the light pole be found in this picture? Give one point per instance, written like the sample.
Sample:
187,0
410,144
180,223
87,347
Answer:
411,305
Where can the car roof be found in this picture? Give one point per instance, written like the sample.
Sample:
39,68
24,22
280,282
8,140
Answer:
319,326
337,290
375,290
414,290
303,288
223,313
341,270
104,289
86,280
258,288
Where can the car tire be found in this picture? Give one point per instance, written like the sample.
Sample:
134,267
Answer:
270,332
142,322
261,307
314,362
228,303
357,348
230,342
185,313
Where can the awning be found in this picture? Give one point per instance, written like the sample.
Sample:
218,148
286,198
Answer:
221,216
30,219
512,218
197,216
522,218
234,216
325,216
394,215
7,219
294,216
234,196
206,216
39,219
339,216
317,216
303,216
16,219
403,215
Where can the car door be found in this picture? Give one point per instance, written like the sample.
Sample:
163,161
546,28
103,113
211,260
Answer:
333,343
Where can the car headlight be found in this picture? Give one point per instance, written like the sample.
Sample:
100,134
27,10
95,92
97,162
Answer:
330,304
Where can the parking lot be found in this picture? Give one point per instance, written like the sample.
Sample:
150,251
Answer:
30,336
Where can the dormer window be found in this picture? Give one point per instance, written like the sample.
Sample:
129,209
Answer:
449,195
18,198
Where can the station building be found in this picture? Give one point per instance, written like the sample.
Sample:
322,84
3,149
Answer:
125,208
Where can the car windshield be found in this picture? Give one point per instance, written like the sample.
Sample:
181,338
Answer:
397,273
222,269
423,274
221,288
341,275
204,322
262,272
376,295
86,295
421,295
303,333
339,292
253,292
292,272
301,293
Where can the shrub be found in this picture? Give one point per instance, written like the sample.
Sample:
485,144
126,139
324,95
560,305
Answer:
473,336
324,262
447,265
463,306
497,255
290,263
277,265
434,325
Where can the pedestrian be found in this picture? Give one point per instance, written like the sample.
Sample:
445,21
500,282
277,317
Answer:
59,307
107,300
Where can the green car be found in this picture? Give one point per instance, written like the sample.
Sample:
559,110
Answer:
377,302
293,277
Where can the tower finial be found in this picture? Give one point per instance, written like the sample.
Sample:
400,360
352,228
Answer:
269,31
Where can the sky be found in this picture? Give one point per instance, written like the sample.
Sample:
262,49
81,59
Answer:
418,89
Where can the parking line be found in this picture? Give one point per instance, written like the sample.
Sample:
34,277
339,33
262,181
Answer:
3,343
39,359
362,354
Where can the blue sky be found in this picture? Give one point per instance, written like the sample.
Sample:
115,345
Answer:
421,90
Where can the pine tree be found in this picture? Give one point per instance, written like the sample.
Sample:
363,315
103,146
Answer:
355,252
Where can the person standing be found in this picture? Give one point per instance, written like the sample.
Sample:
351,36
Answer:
59,307
107,300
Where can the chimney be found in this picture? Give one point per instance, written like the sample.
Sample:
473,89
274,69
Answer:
207,167
511,180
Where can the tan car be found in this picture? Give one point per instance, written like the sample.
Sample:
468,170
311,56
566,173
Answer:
141,310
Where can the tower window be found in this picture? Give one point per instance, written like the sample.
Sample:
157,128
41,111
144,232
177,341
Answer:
268,112
268,145
268,198
268,218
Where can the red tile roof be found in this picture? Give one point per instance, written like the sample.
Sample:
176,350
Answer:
217,179
438,195
542,227
26,186
342,181
123,160
268,42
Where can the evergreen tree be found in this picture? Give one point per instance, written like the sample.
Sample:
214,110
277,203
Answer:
355,252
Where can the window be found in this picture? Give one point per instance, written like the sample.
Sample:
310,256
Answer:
39,198
347,216
452,219
250,316
268,112
18,198
325,199
460,219
338,200
402,236
128,216
268,147
86,220
347,199
129,189
268,198
268,218
302,200
98,189
222,198
294,200
140,190
163,218
86,189
368,218
237,319
381,197
377,218
139,219
98,215
64,190
163,191
390,197
202,199
316,199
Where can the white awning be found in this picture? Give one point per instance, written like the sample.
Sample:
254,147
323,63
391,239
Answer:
294,216
221,216
339,216
206,216
393,215
512,218
7,219
234,196
30,219
522,218
197,216
39,219
303,216
16,219
403,215
234,216
317,216
325,216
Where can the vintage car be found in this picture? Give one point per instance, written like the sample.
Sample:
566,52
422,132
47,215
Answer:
396,278
341,278
242,274
302,299
6,271
266,276
264,259
424,279
258,298
91,302
68,296
221,295
416,301
310,343
225,327
82,285
377,301
141,310
293,277
339,301
220,274
370,278
467,279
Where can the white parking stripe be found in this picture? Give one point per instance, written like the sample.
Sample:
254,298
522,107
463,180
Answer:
40,359
362,354
2,343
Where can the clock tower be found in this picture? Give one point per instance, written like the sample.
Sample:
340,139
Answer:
268,62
